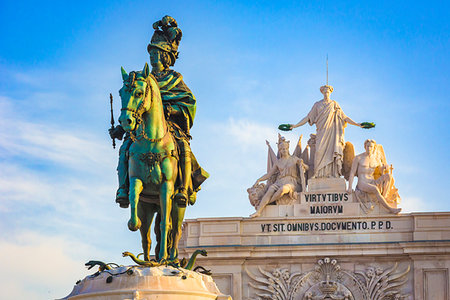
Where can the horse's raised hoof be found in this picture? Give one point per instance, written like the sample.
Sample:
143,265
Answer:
123,203
122,198
133,226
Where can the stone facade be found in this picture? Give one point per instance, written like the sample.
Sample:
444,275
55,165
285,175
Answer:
313,237
288,254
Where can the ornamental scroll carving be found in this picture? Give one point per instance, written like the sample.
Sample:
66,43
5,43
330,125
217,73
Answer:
329,281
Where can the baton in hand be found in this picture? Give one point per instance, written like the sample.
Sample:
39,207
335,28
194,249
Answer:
112,119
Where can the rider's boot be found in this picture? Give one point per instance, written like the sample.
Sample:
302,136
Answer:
185,167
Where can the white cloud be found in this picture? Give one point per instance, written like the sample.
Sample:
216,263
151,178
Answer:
27,187
59,175
234,152
46,142
40,267
413,204
245,133
248,135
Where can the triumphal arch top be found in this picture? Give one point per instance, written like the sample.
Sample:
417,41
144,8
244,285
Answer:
327,225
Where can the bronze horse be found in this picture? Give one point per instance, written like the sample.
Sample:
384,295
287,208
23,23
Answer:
153,162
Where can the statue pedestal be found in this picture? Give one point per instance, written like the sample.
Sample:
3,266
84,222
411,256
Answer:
136,282
327,185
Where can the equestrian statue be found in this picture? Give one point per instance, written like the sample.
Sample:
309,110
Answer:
157,170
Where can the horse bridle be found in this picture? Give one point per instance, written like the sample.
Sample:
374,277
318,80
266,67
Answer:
130,84
137,113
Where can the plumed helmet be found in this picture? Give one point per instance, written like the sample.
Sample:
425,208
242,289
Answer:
167,37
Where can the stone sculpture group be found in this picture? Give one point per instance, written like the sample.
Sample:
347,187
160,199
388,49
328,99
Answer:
325,159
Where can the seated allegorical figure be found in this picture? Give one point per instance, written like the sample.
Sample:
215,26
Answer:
285,177
375,180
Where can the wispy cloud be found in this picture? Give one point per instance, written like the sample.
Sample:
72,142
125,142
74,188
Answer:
53,174
249,135
244,133
40,266
21,138
413,204
235,154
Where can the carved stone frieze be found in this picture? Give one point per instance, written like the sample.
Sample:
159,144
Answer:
329,281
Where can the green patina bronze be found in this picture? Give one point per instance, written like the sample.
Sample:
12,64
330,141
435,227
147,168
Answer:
367,125
288,127
188,265
285,127
101,265
191,261
141,262
153,159
158,173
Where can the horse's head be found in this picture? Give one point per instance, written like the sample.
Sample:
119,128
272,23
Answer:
136,94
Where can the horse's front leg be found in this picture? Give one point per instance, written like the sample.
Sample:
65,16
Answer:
165,196
146,212
177,221
136,187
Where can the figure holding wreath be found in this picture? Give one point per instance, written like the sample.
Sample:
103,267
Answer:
330,122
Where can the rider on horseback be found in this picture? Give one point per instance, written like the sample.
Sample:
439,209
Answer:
179,107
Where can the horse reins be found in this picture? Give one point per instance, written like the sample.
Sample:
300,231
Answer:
137,114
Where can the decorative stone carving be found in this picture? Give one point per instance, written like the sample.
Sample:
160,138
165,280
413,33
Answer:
375,180
329,281
285,178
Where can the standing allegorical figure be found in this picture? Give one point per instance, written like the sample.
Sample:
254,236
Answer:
179,107
330,122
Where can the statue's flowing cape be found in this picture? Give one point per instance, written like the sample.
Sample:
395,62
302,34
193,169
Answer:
175,92
329,119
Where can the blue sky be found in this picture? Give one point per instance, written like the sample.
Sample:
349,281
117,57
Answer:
251,67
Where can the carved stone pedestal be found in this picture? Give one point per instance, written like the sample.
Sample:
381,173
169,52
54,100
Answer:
134,282
337,185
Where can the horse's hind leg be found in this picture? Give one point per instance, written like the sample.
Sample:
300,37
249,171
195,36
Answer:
177,218
146,212
136,187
